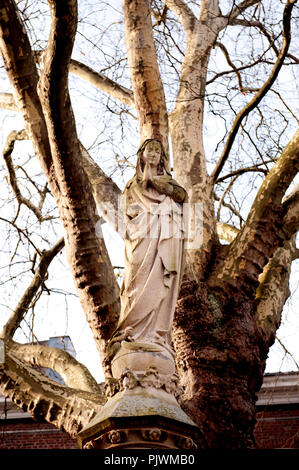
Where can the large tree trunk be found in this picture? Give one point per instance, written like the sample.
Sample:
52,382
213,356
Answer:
145,75
221,360
222,333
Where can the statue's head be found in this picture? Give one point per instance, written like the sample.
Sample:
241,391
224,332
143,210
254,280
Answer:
163,163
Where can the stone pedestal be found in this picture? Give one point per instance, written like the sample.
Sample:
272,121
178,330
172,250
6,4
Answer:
142,411
141,419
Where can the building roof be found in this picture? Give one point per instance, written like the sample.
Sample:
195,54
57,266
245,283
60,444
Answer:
280,388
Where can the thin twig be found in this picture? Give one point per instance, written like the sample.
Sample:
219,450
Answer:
260,94
287,352
32,290
12,178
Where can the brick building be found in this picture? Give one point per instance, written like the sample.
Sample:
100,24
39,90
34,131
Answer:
278,412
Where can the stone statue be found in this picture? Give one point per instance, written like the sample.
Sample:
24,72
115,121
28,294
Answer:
154,252
142,386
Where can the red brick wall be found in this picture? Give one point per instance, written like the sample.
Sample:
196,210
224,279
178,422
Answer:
278,428
29,434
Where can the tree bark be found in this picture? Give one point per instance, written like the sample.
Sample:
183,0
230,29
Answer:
224,327
66,408
186,125
20,66
145,74
74,374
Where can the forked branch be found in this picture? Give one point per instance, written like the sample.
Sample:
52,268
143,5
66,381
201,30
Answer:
183,12
12,177
106,193
240,8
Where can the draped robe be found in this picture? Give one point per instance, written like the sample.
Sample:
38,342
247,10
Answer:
154,244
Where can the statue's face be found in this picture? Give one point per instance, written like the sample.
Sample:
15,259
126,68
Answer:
152,153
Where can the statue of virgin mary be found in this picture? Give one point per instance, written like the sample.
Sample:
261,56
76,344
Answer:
154,245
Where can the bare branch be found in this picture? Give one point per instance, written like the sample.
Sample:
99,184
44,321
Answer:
260,94
237,71
221,200
102,82
273,290
66,408
40,274
12,178
183,12
264,228
291,212
228,59
260,26
287,352
20,232
74,374
97,79
226,232
281,175
241,171
294,58
285,104
20,66
229,206
105,192
240,8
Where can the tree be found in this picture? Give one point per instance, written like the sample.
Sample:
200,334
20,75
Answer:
236,281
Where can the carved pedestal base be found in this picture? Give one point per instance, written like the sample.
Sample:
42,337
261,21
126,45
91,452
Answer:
142,411
142,365
141,419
